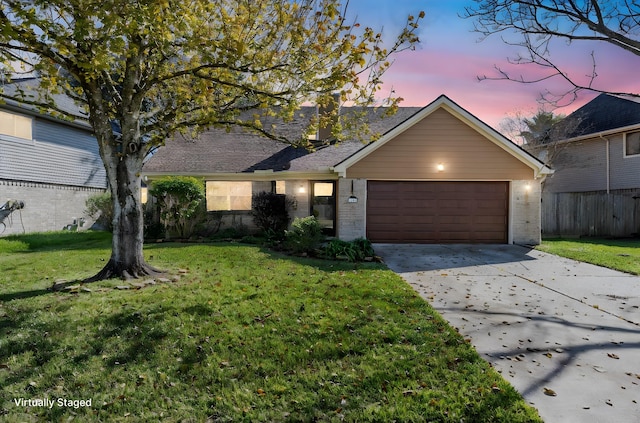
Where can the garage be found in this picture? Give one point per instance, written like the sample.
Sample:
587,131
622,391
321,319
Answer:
437,211
442,176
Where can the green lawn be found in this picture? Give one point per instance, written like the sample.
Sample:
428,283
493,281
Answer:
244,335
619,254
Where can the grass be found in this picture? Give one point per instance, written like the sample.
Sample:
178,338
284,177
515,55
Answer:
618,254
244,335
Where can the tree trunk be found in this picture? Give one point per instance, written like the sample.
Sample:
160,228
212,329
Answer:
127,259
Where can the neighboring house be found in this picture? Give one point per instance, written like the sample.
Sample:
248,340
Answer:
50,163
595,188
436,175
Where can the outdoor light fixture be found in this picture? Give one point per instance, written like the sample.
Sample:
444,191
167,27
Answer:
527,187
352,198
301,190
440,167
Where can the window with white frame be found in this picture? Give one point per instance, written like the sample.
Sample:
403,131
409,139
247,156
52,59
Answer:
228,195
15,125
632,144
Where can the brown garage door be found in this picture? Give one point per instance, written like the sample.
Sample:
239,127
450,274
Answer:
437,212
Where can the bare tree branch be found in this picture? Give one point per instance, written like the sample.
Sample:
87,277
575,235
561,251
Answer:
538,22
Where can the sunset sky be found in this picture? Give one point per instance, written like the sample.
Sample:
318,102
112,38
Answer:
450,58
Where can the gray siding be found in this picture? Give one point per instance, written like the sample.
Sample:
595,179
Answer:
58,154
579,166
625,171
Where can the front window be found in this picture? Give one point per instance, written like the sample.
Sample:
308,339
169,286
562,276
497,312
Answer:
228,195
15,125
632,144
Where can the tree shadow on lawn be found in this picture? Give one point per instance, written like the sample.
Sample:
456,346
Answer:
127,336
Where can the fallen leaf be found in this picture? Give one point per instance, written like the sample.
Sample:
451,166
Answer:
550,392
611,355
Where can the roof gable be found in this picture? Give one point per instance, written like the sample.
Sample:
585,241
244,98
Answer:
446,104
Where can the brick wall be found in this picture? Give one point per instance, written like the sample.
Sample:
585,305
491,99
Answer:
48,207
525,212
351,216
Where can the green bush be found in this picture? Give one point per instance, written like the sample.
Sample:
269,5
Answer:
182,203
270,213
305,235
356,250
100,208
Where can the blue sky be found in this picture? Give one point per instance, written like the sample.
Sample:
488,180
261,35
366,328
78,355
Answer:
450,58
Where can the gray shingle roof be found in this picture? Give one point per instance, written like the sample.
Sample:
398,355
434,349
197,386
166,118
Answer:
603,113
220,151
28,89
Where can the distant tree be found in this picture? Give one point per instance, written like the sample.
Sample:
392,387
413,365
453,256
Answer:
541,134
151,68
537,22
539,127
530,130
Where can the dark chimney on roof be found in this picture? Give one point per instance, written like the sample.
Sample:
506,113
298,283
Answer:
331,111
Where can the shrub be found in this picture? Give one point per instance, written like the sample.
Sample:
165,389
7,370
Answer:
181,201
100,208
356,250
270,213
305,235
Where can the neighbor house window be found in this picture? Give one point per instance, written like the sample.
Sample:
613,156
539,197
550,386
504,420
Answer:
632,144
15,125
228,195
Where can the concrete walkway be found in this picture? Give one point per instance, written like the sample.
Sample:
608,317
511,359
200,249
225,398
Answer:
565,334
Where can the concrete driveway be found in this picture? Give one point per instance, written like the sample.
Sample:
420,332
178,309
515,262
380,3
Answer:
565,334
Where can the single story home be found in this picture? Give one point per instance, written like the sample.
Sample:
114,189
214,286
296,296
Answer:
435,175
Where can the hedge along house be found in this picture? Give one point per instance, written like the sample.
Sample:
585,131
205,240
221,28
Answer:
436,175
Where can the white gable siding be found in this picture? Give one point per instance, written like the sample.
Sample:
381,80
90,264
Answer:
58,154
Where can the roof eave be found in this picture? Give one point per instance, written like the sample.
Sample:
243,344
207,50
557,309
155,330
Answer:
259,175
622,129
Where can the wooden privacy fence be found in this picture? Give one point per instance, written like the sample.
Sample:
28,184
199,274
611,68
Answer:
615,214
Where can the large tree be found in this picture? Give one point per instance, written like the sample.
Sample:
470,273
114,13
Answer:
532,25
149,68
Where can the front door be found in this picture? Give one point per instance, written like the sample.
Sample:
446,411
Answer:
323,205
